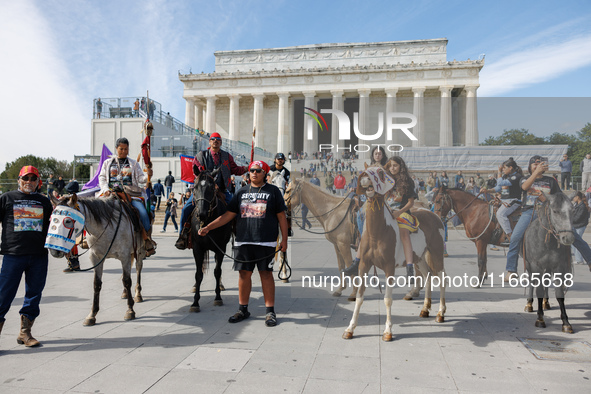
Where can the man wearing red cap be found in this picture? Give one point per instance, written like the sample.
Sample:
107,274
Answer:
24,214
208,160
260,212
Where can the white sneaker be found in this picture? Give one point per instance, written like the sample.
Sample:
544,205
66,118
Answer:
163,231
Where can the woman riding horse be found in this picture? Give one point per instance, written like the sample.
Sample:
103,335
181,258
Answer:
121,171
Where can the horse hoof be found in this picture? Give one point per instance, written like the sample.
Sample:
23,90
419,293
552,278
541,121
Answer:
440,319
195,309
194,290
222,288
352,299
89,322
336,294
124,295
138,299
218,303
546,306
285,280
129,316
424,314
407,297
387,337
540,323
347,335
568,329
528,308
414,293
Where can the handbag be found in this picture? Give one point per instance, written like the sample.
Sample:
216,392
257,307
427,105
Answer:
133,191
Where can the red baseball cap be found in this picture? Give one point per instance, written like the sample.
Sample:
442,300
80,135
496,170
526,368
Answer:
215,135
261,164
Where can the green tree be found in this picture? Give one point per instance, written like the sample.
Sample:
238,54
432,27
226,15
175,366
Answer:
514,137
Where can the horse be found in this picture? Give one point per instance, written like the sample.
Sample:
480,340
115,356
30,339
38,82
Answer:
333,214
110,234
547,254
276,178
474,213
379,248
209,204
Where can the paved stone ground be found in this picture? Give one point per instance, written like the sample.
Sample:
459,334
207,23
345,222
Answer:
167,349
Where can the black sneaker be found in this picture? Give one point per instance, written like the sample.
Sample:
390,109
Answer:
238,317
353,269
271,319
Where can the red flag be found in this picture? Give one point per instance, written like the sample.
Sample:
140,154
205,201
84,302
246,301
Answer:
146,150
187,169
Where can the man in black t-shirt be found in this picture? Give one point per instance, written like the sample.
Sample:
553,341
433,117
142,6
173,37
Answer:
260,212
24,214
278,166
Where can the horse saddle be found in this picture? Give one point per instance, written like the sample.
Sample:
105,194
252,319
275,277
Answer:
498,236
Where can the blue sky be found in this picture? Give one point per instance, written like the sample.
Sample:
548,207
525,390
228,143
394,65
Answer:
59,55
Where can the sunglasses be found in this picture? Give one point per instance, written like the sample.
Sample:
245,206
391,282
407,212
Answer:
257,170
215,139
32,178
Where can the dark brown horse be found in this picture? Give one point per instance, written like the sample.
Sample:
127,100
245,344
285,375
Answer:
474,213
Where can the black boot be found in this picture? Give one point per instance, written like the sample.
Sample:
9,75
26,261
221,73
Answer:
353,269
410,274
73,265
183,242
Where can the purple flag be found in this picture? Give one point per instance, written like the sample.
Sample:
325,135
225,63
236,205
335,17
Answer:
95,181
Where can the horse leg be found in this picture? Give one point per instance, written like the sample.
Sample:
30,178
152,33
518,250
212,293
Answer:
199,258
442,307
540,321
566,327
348,334
530,298
418,285
546,300
217,273
98,284
126,265
387,335
427,301
341,265
482,260
139,264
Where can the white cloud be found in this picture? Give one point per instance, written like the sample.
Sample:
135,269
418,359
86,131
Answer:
40,111
534,65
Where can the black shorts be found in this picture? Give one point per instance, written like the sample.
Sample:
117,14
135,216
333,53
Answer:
263,254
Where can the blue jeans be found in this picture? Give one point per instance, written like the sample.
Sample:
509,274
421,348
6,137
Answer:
144,218
35,269
188,208
517,238
168,190
169,215
578,255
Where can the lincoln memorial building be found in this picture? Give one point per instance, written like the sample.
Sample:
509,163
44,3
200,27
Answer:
270,88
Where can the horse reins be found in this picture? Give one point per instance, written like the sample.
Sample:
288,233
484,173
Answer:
448,197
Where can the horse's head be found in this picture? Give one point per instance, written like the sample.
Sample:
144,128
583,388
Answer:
292,194
276,178
557,213
65,224
370,179
205,193
442,202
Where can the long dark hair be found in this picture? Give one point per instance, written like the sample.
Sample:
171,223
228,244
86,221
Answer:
384,156
404,183
511,163
583,199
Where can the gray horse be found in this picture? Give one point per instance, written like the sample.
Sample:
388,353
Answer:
547,257
105,227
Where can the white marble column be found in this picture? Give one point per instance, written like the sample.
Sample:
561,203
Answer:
310,144
445,130
204,116
190,113
364,121
471,116
418,111
283,124
198,115
338,102
210,126
257,120
391,108
234,127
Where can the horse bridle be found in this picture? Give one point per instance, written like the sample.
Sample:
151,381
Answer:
212,206
552,230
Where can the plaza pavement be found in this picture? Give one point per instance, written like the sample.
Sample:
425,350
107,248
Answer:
167,349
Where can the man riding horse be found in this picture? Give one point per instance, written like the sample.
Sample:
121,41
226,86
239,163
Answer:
210,159
122,172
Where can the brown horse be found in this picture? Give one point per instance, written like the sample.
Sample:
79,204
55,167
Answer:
381,247
474,213
333,213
